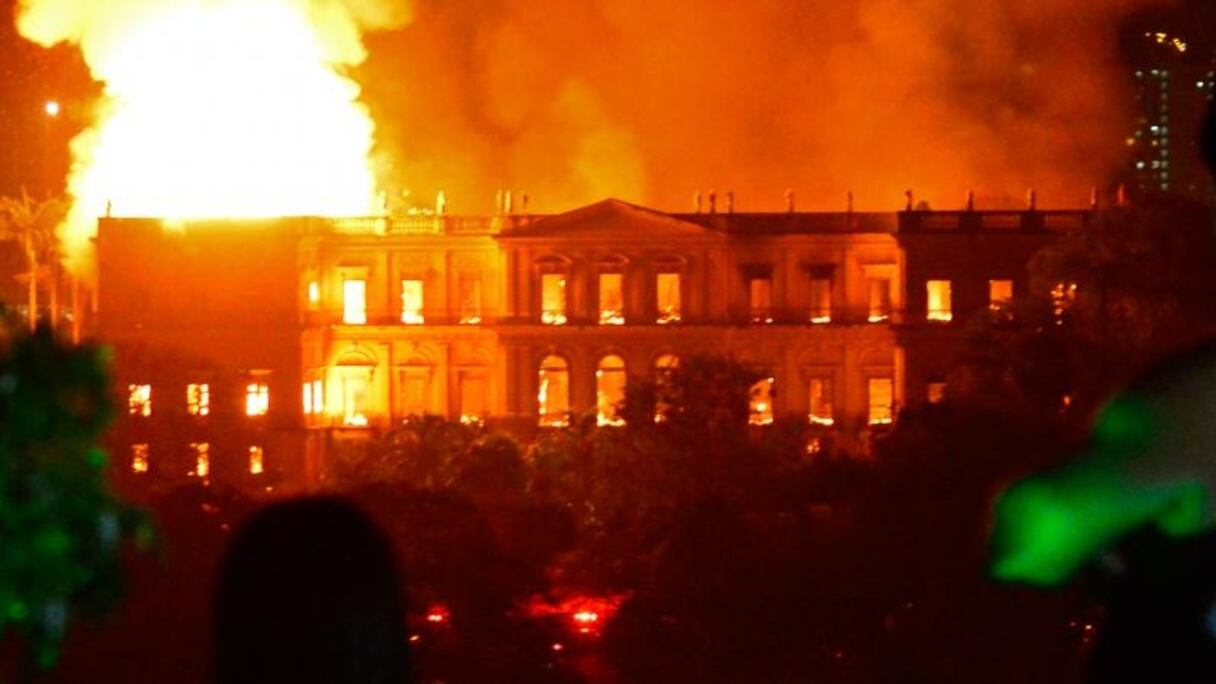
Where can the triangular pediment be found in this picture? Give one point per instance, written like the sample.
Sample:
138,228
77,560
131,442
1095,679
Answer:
611,218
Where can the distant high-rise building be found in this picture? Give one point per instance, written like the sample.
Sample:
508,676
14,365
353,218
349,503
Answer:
1175,85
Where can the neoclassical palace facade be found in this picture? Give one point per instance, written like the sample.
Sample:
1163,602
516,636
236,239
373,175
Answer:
252,351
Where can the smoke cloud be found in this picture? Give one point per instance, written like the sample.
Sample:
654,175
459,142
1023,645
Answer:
650,100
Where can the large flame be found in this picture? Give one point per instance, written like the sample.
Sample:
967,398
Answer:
217,108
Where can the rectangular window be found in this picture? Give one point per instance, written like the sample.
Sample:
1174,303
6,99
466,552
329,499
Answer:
553,299
202,459
612,299
474,398
881,401
940,301
821,402
139,400
257,460
667,286
1000,294
821,300
257,399
936,392
760,300
879,299
411,302
470,300
198,399
354,302
356,392
415,387
760,406
139,458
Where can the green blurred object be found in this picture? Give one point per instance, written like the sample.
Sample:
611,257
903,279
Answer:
61,529
1152,461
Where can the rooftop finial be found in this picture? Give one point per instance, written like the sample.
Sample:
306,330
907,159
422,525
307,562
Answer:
789,200
730,201
1032,200
1093,198
849,201
713,201
508,207
908,196
696,201
970,200
441,203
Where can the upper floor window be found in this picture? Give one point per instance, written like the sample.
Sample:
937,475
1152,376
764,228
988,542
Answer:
411,302
760,406
139,400
760,299
667,289
612,299
879,299
257,459
880,399
354,302
610,390
940,301
821,300
821,412
1000,294
553,392
470,300
257,398
198,399
553,298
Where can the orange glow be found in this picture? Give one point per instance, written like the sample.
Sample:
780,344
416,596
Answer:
257,399
940,301
139,458
438,614
202,459
198,399
257,457
761,406
139,400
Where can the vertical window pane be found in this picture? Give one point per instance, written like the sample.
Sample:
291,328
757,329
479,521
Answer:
470,300
308,409
318,397
257,399
667,287
760,300
198,399
139,400
612,299
821,402
760,408
881,399
553,393
553,298
314,292
1000,294
354,302
139,458
940,301
821,300
257,458
202,459
411,302
609,390
880,299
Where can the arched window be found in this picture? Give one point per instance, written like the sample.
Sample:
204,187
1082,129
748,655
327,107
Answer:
553,392
609,390
760,409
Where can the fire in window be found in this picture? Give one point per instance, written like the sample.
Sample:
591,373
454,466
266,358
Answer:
1000,295
609,390
198,399
139,400
940,301
760,300
880,299
821,402
474,398
356,395
411,302
760,406
553,299
821,300
354,302
257,399
257,460
202,459
881,401
667,287
553,392
139,458
612,299
470,300
1063,297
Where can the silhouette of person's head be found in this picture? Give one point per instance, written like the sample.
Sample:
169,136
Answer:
309,592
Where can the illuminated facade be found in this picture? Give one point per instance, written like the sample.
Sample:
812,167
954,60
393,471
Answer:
266,347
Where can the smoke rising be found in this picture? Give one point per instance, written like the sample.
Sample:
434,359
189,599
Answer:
650,100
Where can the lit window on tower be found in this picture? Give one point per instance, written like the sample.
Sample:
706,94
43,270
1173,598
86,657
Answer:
553,299
257,460
612,299
880,397
821,300
139,458
354,302
198,399
667,289
139,400
609,390
470,300
1000,295
821,402
879,299
202,459
257,399
411,302
760,406
553,392
940,304
760,300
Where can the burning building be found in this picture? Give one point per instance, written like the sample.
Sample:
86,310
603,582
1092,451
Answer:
252,351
